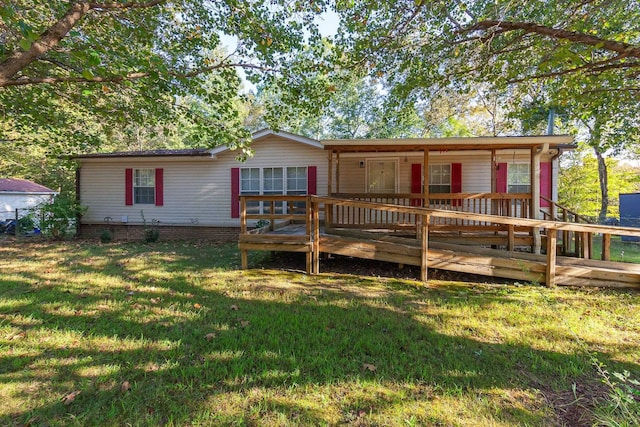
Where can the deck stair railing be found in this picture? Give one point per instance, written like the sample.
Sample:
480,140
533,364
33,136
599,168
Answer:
570,243
308,238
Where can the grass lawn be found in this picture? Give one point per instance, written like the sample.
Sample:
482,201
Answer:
620,251
177,334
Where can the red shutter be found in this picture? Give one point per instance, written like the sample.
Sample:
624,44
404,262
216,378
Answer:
159,187
416,183
312,180
456,182
128,187
235,192
545,183
501,178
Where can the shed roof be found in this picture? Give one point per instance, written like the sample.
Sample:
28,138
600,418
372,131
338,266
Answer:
17,185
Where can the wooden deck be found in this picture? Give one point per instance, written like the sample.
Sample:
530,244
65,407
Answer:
428,251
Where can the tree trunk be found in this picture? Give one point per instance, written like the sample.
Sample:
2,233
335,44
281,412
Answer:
603,179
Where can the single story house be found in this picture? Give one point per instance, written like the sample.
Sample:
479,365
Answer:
195,193
23,195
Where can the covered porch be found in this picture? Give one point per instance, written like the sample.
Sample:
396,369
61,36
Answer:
505,176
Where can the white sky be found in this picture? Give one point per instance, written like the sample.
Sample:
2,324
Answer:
327,25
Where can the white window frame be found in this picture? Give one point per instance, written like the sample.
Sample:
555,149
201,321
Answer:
519,176
138,179
263,208
440,179
370,162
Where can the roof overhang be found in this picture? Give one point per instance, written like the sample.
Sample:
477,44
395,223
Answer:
448,144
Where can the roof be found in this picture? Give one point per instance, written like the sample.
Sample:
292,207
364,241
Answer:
444,144
16,185
263,133
191,152
198,152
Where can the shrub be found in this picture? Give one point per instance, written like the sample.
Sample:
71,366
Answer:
60,217
151,232
106,236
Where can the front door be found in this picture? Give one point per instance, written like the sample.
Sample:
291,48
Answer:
382,176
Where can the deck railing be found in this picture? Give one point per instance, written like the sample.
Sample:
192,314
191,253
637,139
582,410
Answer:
571,242
309,242
513,205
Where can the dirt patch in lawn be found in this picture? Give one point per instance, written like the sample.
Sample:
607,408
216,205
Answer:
364,267
574,407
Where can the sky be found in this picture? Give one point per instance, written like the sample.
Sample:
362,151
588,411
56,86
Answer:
327,25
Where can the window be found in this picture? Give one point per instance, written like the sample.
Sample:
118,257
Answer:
381,176
250,185
144,186
272,184
297,180
272,181
439,179
518,178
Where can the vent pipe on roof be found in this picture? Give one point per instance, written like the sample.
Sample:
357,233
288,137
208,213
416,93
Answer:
550,121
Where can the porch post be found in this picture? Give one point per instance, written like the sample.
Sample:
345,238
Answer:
338,172
330,175
425,178
328,208
535,196
494,184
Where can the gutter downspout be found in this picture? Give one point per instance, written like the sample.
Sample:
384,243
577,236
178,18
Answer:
535,183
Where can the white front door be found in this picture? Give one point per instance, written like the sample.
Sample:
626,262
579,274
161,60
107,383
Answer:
382,176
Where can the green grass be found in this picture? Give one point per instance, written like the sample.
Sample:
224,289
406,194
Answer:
176,334
620,251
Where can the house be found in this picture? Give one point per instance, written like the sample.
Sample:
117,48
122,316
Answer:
22,195
195,193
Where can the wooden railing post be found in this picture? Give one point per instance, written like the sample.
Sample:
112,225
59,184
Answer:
315,208
606,247
308,230
424,244
551,257
511,242
244,259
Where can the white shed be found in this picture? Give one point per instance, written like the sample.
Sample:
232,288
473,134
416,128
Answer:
21,194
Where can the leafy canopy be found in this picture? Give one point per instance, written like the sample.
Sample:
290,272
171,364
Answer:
116,63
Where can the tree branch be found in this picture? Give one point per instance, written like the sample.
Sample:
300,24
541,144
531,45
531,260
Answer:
621,48
593,68
25,81
58,31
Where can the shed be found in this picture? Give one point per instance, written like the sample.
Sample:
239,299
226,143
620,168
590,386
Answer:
16,193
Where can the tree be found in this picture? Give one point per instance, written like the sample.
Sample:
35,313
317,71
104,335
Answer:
579,183
585,54
117,63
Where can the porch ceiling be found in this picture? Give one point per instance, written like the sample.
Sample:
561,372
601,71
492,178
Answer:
447,144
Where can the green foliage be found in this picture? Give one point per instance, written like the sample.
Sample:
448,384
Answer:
622,408
26,223
60,217
578,187
110,67
106,236
151,233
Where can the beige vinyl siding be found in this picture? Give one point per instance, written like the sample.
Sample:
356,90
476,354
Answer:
271,151
197,190
476,170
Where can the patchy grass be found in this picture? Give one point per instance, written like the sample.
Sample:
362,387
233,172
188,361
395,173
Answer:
175,334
